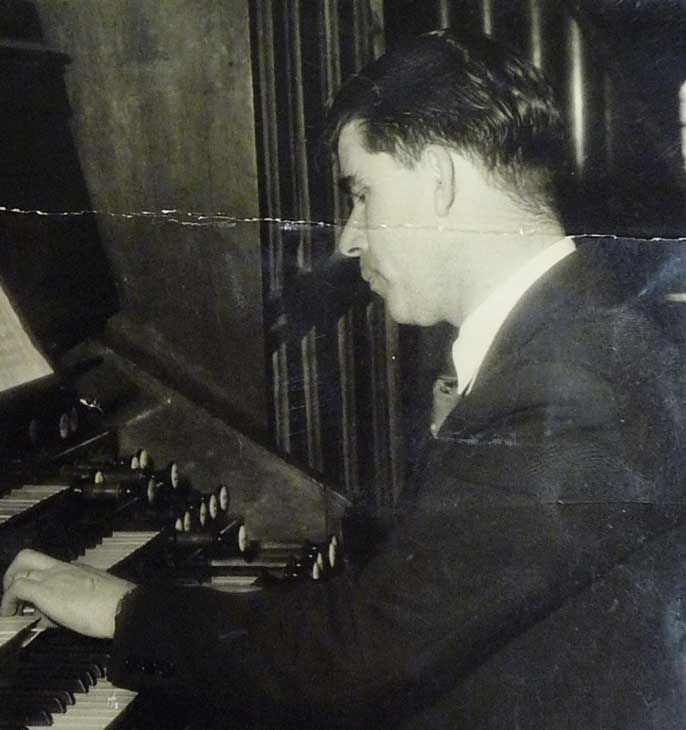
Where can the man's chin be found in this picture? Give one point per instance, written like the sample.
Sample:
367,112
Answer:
404,315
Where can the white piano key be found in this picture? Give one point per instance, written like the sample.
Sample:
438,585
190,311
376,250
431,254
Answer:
115,548
19,500
95,710
12,626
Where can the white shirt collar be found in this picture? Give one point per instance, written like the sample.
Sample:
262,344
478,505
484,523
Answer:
480,328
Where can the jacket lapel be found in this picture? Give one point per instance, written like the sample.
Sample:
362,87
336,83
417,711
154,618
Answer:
552,301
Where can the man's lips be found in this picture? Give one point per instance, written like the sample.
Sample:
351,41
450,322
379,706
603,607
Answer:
372,278
367,273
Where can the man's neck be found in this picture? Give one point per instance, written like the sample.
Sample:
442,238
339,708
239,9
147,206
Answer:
479,329
504,247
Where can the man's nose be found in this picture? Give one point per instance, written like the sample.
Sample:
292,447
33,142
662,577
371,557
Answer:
353,238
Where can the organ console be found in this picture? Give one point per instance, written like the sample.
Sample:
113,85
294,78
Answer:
102,502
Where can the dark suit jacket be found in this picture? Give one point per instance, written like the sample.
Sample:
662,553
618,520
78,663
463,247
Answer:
557,468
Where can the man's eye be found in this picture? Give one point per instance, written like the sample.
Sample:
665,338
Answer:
354,199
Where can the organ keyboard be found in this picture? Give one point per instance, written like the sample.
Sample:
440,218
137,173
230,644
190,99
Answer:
78,695
96,710
60,678
116,548
18,501
60,681
14,629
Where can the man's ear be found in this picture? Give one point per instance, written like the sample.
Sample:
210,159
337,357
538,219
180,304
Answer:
442,167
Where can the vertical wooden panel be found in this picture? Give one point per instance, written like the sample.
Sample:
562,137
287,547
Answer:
271,55
297,409
300,141
443,13
303,372
332,82
611,109
577,109
361,36
285,121
376,321
376,29
270,154
509,22
682,120
396,436
320,79
585,102
346,360
280,398
486,11
331,51
406,18
535,18
308,353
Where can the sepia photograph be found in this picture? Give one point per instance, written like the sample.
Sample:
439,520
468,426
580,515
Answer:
343,364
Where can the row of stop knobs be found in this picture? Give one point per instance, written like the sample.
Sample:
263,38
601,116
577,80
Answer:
201,520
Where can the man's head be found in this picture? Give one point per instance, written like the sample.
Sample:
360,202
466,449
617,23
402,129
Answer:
428,136
466,92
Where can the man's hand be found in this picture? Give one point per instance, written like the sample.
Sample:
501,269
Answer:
78,597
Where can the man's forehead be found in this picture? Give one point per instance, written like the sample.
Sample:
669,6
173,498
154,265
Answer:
350,148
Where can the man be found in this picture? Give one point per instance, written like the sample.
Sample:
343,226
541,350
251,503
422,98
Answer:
548,472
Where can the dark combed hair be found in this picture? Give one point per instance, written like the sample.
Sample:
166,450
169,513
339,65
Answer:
464,91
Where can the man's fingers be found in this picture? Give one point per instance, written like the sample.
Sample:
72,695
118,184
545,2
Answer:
46,623
27,560
22,590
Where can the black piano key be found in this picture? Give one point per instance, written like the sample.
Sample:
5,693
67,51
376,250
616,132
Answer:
38,695
58,684
39,718
70,678
46,702
55,676
69,663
